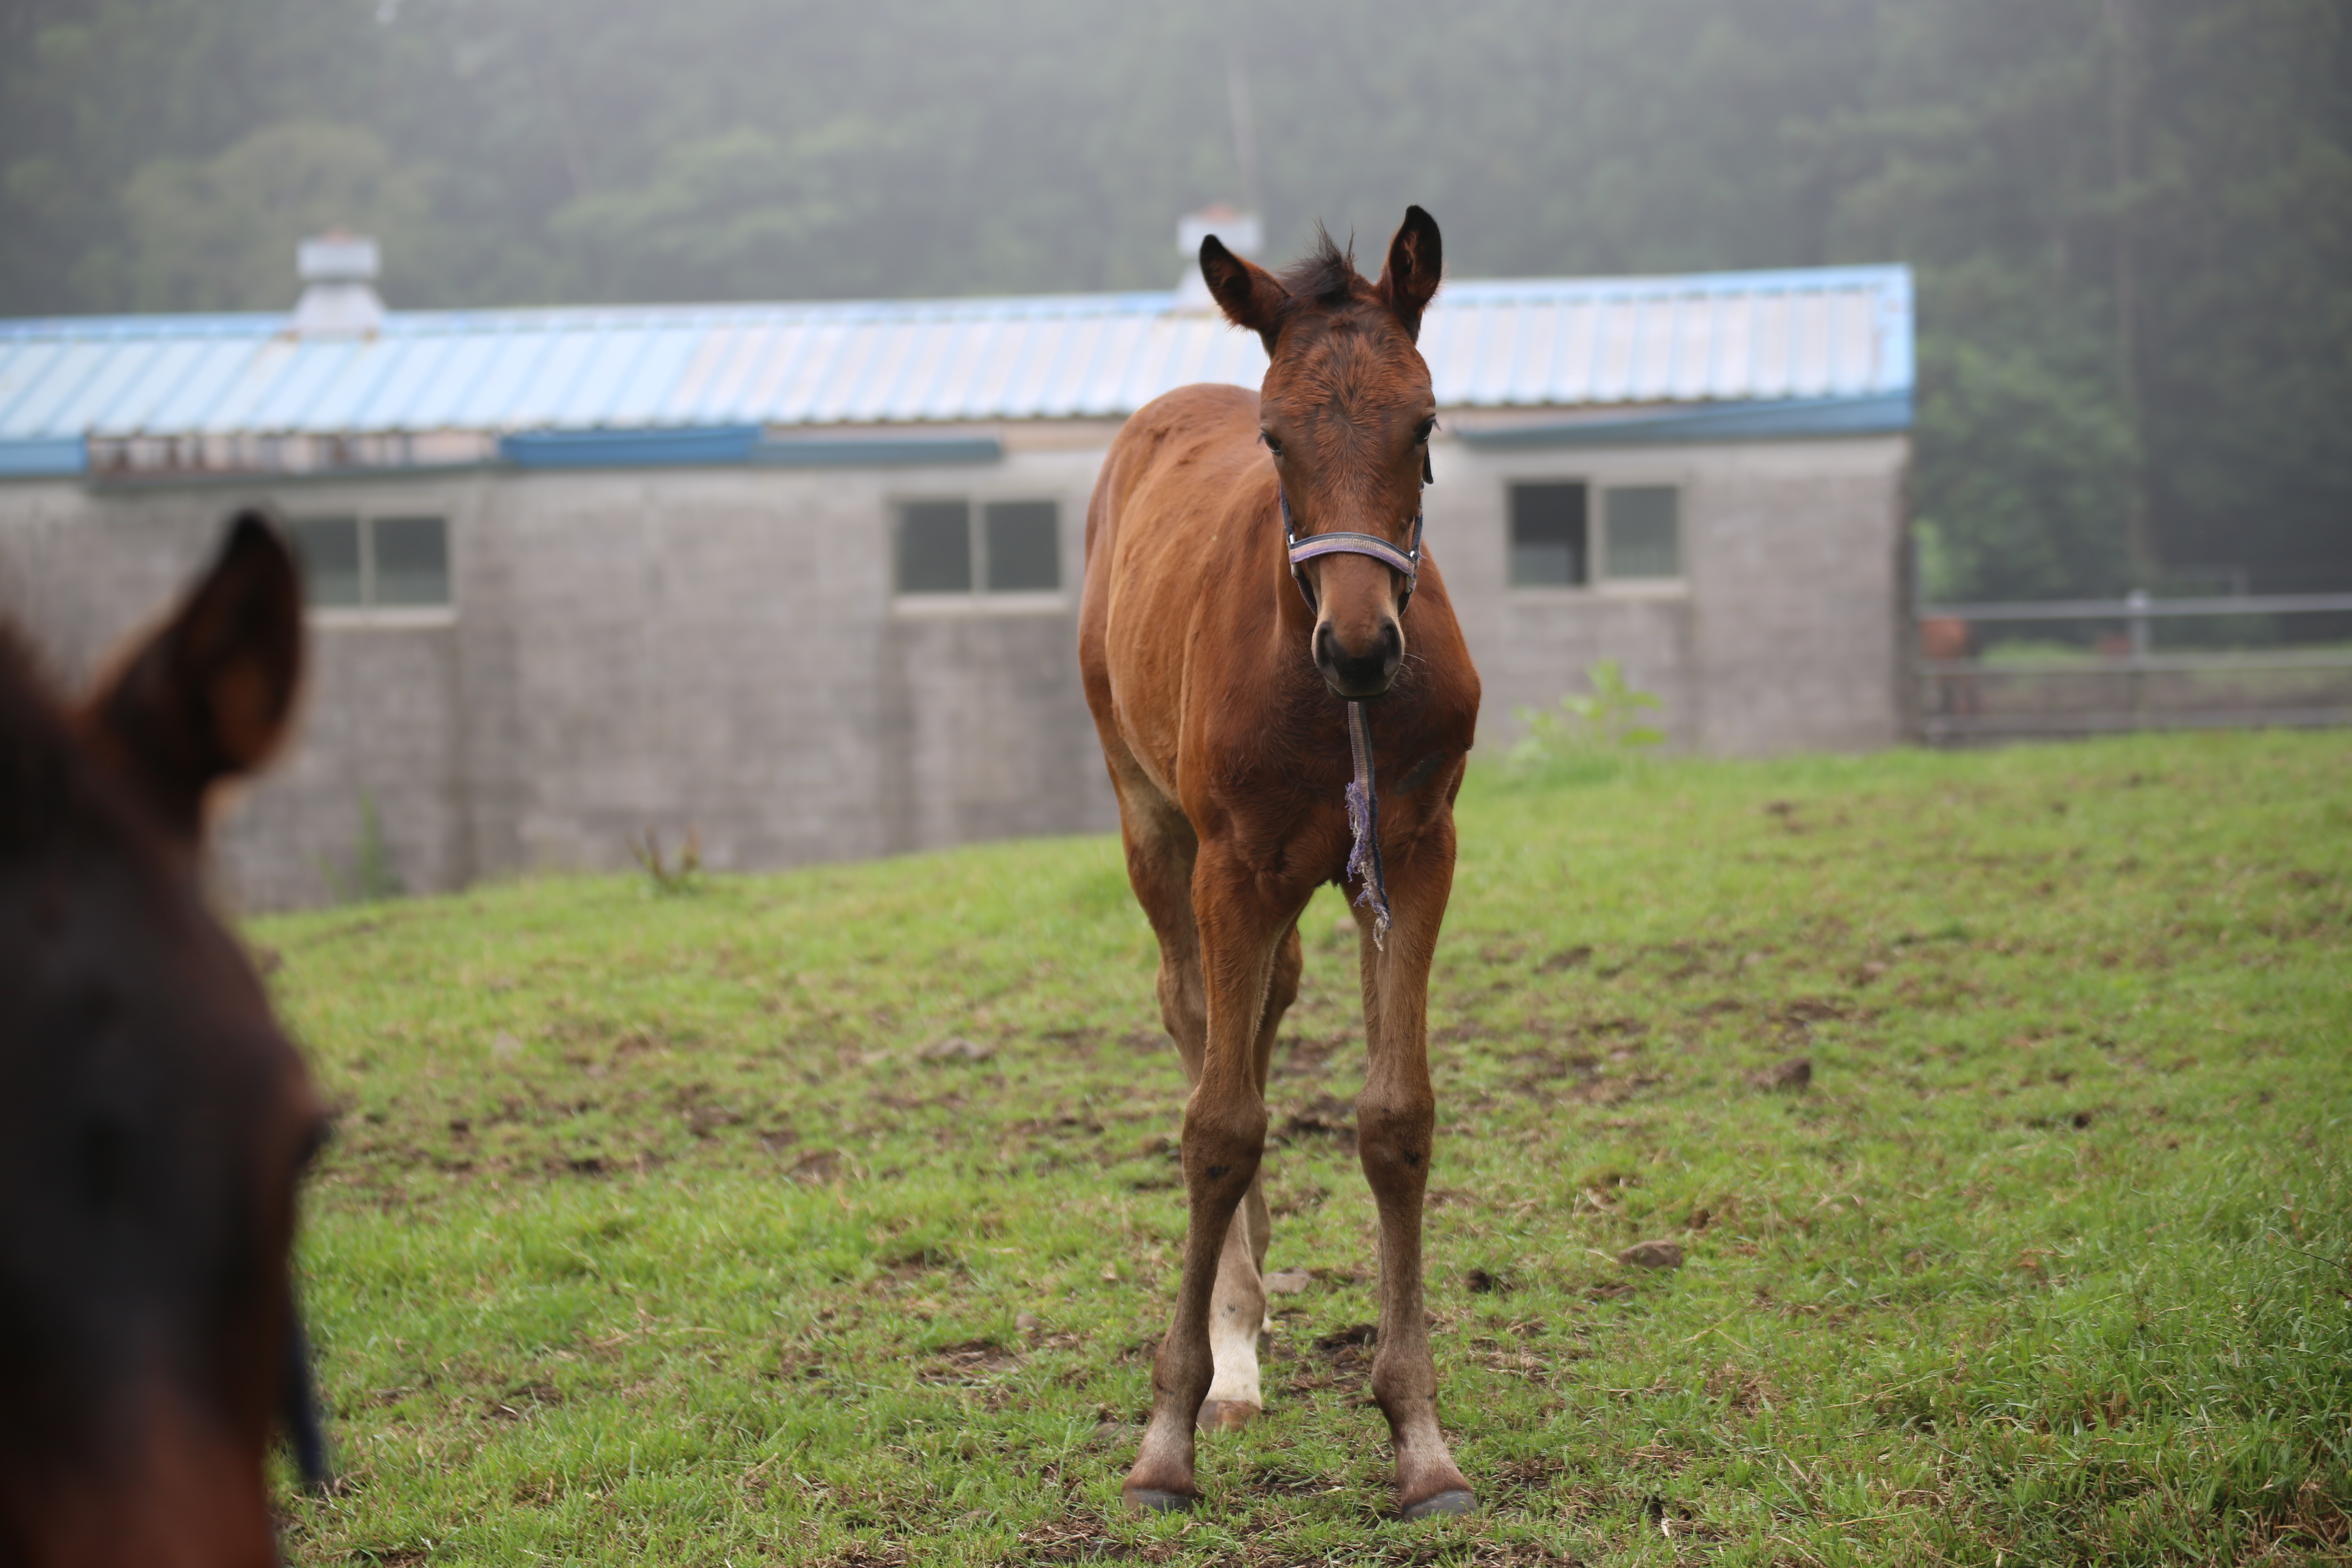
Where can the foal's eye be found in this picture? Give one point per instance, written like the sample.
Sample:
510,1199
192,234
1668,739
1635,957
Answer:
1272,445
1427,427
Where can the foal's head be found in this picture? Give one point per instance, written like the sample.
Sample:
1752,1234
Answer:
1347,414
153,1118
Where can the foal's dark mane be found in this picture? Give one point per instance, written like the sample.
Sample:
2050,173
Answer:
1326,274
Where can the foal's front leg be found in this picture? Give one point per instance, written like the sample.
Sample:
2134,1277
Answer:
1396,1120
1223,1141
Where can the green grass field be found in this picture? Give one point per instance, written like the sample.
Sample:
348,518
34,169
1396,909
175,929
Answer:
651,1234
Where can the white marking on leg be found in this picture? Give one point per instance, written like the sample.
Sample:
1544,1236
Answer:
1233,1340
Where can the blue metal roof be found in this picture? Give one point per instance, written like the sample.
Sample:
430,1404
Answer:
1738,337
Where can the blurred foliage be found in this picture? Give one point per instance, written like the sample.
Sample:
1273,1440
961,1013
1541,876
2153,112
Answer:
1591,733
2132,219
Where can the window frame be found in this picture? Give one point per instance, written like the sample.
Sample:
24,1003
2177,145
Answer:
1676,580
1599,479
1511,542
978,599
368,614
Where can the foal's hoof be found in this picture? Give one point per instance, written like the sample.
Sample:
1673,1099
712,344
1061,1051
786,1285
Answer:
1454,1501
1225,1415
1154,1499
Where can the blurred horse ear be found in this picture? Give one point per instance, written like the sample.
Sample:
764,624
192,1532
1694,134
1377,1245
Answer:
1416,261
211,693
1249,295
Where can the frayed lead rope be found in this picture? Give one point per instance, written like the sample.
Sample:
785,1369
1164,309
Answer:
1364,822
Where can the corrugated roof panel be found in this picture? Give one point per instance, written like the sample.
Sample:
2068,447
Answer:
714,346
1808,360
790,389
174,362
1531,355
75,366
483,376
1613,350
549,387
113,380
1732,353
1569,379
649,394
743,350
954,392
307,380
1653,371
1527,342
232,412
602,380
183,407
1059,399
1100,393
1774,330
899,384
1694,352
1851,334
1144,371
923,378
416,384
843,394
1039,355
18,371
24,364
330,403
750,351
1449,346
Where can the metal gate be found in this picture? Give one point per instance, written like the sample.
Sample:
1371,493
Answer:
2122,680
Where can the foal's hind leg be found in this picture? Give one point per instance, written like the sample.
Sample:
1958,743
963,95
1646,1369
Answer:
1160,855
1242,936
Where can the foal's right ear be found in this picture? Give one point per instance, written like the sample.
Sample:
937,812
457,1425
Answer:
1249,294
211,693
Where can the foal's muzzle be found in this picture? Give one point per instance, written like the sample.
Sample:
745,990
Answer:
1359,673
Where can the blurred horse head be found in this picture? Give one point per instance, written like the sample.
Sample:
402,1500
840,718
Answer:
153,1120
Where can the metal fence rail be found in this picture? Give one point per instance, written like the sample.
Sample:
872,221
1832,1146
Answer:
2131,687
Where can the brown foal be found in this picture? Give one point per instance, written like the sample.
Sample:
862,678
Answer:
1220,688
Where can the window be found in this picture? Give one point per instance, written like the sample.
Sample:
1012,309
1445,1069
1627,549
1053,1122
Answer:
1644,524
996,547
935,547
1559,540
360,563
1548,536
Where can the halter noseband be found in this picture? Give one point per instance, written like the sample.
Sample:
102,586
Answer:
1405,564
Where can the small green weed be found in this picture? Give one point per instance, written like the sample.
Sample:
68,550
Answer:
373,878
1590,735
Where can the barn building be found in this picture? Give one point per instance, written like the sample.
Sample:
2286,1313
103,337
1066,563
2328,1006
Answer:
804,576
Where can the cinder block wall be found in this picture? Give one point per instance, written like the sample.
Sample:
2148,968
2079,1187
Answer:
1783,634
720,648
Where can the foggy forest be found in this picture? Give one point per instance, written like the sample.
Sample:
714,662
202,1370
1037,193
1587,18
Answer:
2131,219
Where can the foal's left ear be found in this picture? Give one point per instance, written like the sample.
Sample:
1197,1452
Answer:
1416,261
211,693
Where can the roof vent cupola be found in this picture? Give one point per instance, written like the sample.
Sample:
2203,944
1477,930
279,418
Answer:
339,298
